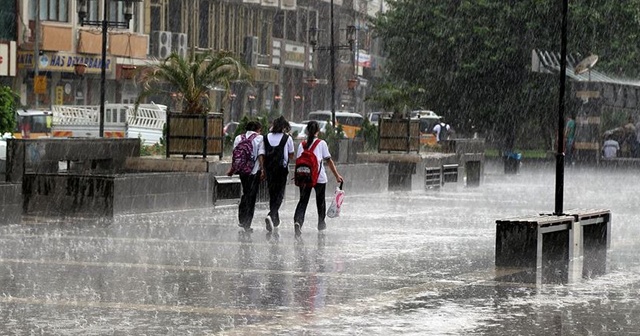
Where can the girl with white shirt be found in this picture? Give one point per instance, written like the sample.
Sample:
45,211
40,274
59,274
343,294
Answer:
321,152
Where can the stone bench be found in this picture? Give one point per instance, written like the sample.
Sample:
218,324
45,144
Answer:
537,246
554,248
226,188
590,241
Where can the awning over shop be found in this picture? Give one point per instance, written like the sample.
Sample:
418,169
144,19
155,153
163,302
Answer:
549,62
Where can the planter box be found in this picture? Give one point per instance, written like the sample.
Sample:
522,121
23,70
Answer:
194,134
399,135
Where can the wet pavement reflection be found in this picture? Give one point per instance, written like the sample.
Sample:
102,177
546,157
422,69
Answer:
398,263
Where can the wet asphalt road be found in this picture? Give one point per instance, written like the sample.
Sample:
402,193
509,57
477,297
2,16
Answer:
400,263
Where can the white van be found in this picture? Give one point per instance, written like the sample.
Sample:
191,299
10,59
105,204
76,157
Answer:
424,114
374,117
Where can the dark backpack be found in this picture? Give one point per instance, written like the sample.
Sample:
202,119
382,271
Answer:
274,160
307,167
242,161
444,132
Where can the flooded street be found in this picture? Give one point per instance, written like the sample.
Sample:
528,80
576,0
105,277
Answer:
398,263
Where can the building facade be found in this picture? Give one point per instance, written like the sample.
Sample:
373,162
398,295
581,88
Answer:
272,37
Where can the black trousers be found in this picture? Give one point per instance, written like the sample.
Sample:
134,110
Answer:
276,182
305,194
250,187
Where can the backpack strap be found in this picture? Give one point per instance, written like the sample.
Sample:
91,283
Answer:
283,141
312,148
314,145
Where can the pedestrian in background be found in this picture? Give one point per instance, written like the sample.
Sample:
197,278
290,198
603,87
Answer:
610,147
278,152
441,130
569,139
250,181
321,151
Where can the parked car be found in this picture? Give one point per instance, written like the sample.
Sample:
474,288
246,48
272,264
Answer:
230,128
298,131
322,123
424,114
374,117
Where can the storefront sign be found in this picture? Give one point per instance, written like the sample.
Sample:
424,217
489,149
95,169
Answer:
265,75
40,84
294,56
59,95
364,59
62,62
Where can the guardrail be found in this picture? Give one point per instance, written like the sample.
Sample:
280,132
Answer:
74,115
146,123
151,116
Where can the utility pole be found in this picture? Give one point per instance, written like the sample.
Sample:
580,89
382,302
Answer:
36,53
332,55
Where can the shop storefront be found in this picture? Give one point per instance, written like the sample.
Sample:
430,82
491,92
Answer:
58,83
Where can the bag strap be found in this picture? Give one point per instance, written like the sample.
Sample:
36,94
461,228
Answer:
314,145
283,141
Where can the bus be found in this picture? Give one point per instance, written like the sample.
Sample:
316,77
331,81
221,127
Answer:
350,122
32,124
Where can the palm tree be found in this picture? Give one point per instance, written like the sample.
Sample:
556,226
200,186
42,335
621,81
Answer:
396,97
192,79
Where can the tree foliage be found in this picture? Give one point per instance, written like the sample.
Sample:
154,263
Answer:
8,104
473,57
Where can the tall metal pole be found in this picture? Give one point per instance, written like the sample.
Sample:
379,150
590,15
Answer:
332,54
103,65
36,53
560,153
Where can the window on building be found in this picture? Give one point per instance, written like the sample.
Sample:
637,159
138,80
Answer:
278,25
174,16
291,25
156,14
303,29
93,7
50,10
203,25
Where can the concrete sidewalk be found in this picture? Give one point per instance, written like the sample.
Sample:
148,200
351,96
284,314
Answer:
394,263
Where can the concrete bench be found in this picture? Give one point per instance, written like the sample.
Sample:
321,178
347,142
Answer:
538,246
473,170
590,240
226,188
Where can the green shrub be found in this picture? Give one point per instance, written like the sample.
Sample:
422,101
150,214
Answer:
369,133
8,105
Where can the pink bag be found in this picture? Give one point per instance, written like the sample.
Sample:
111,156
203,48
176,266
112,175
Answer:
336,204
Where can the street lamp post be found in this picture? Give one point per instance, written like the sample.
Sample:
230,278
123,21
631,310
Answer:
351,30
105,24
232,98
251,98
296,102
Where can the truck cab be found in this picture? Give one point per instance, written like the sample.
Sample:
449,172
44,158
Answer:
428,119
32,124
